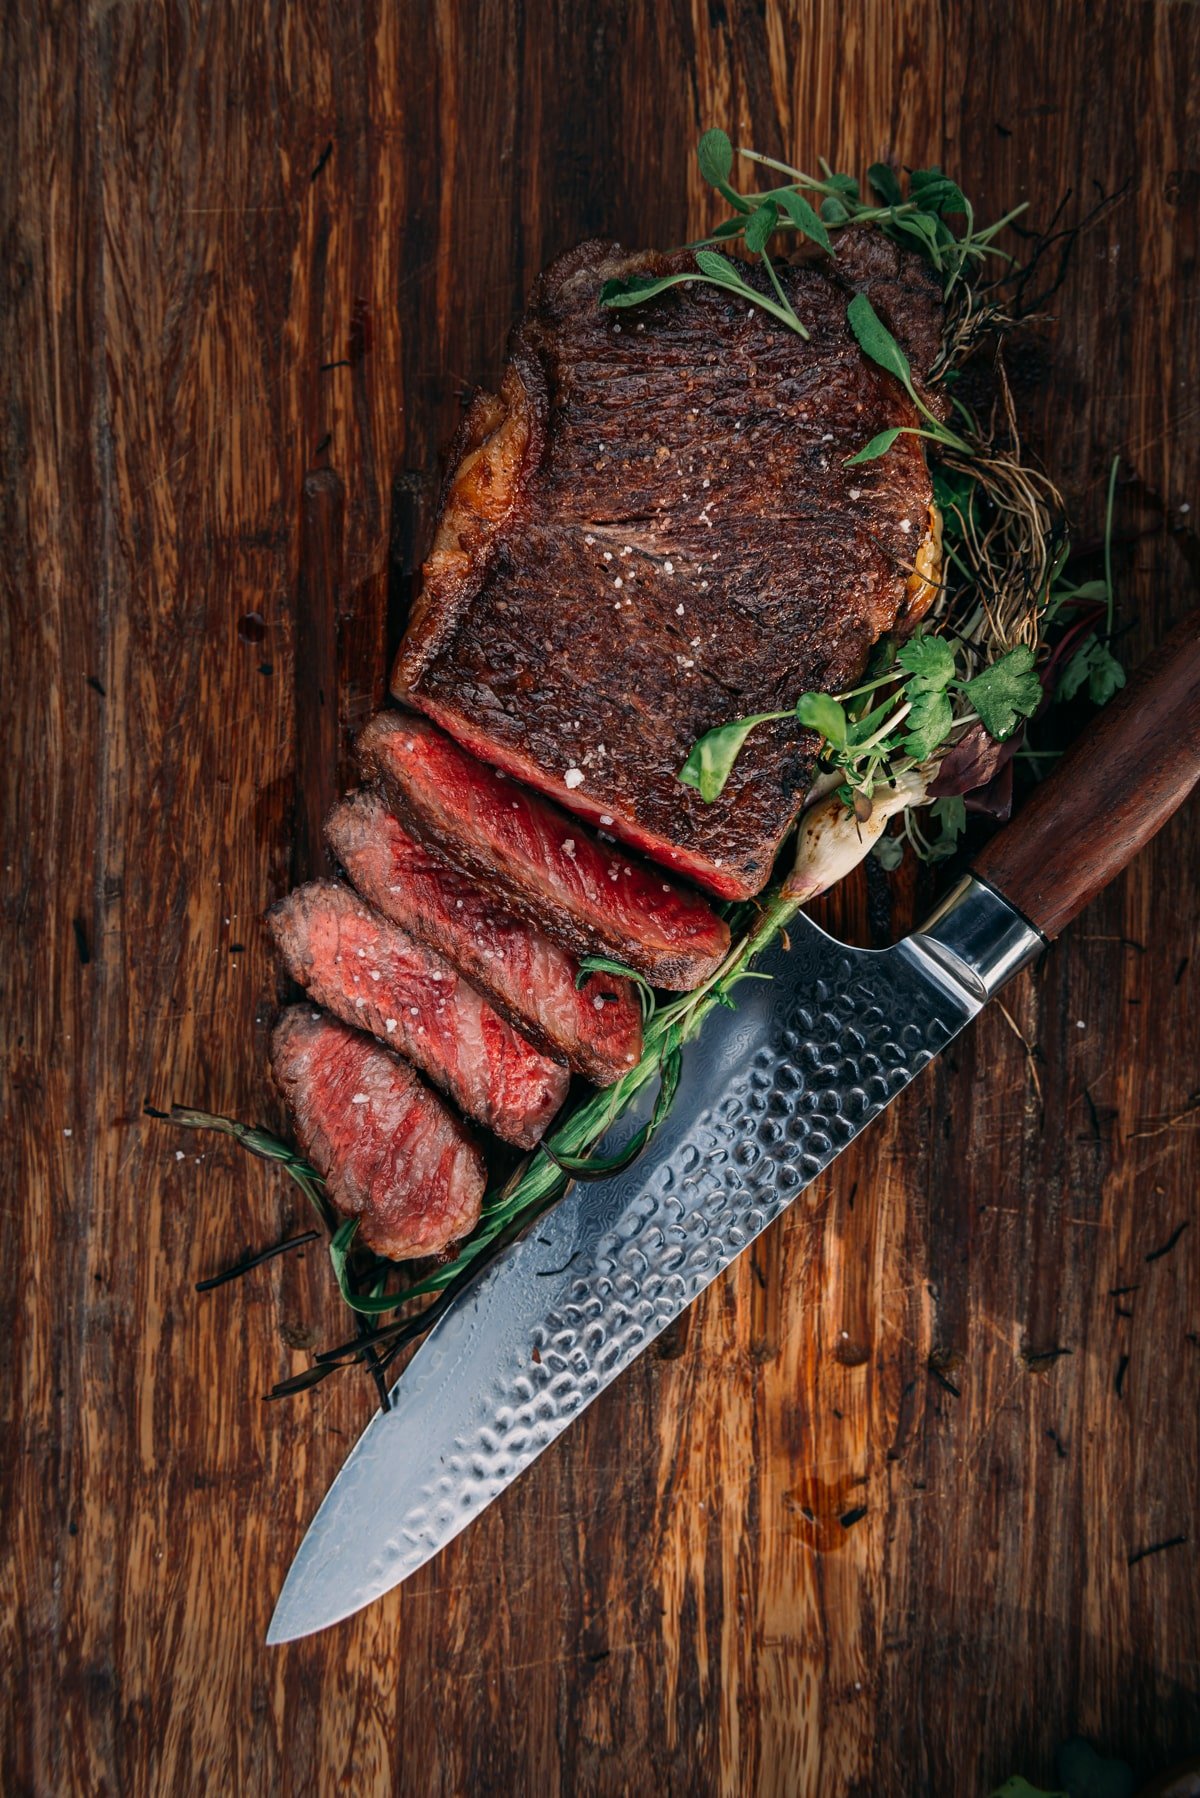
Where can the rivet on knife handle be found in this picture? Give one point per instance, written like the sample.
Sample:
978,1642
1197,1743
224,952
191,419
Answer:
1115,787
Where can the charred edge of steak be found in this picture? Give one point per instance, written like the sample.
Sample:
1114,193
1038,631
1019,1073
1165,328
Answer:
374,976
501,438
390,1151
595,1027
587,900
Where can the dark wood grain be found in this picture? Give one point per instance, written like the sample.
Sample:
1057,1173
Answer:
1116,787
250,243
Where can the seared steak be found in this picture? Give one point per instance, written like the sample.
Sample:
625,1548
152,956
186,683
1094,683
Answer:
370,973
652,530
538,861
391,1152
597,1028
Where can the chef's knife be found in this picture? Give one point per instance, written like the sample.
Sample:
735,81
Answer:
771,1093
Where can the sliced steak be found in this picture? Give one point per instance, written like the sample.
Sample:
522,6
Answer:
652,530
540,862
372,974
596,1028
391,1152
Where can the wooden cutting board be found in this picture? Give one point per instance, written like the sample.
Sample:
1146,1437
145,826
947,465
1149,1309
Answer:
911,1496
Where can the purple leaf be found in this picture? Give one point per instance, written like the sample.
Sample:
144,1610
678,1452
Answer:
972,762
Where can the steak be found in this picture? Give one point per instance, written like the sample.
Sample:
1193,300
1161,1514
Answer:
370,973
390,1151
652,530
596,1029
540,862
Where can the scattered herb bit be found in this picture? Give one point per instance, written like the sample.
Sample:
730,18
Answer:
252,1261
602,964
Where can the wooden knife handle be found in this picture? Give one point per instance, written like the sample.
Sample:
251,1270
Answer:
1112,790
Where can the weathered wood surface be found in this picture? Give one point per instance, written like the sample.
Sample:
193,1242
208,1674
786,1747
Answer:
255,257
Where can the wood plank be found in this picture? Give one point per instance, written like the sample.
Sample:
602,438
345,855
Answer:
860,1527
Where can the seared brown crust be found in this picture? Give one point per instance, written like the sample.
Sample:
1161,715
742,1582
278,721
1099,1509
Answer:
391,1153
653,530
596,1027
539,862
367,971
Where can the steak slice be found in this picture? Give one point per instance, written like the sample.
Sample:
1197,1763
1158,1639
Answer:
652,530
370,973
596,1029
540,862
390,1151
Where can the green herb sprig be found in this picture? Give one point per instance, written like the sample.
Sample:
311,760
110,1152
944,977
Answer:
919,219
906,727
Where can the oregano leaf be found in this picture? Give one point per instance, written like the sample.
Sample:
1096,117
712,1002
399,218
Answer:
805,219
714,153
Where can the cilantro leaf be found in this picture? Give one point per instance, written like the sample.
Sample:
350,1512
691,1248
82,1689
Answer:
1094,664
821,713
929,662
1005,692
928,724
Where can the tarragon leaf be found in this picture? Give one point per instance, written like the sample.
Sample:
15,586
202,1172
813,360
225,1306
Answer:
825,715
1005,692
712,756
805,219
928,660
876,341
879,445
639,288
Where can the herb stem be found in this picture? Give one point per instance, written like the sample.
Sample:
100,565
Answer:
1108,524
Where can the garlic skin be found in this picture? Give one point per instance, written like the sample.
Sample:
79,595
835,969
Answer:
832,840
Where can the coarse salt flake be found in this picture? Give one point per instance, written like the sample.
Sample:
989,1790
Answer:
573,777
359,1099
569,846
390,1024
604,818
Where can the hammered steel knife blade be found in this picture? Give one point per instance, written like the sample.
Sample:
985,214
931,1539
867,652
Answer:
771,1093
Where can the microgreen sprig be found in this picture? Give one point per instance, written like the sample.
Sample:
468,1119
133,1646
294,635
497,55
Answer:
919,219
860,742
